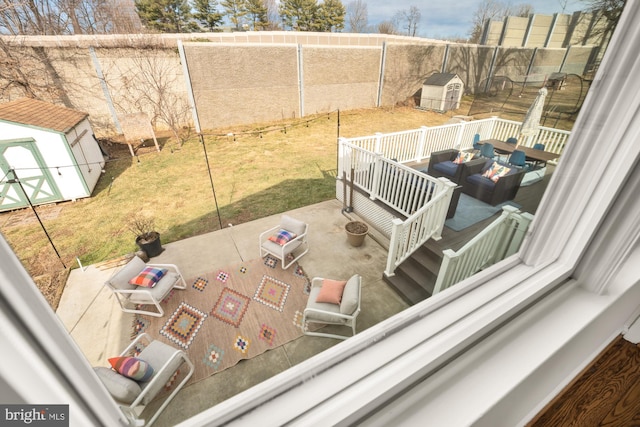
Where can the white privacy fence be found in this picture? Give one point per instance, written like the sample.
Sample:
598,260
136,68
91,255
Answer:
418,144
496,242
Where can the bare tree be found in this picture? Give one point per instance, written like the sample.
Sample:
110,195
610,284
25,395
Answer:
409,19
357,16
152,85
61,17
387,27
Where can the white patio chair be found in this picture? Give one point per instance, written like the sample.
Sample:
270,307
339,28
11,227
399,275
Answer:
343,314
133,396
132,298
282,245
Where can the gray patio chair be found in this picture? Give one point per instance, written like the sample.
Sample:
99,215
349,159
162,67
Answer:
132,298
133,396
343,314
282,240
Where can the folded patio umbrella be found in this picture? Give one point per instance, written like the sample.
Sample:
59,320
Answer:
531,120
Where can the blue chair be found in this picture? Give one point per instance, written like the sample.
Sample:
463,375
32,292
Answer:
476,140
486,150
512,140
518,158
536,164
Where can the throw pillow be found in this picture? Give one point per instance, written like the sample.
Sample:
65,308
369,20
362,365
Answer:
148,277
463,157
132,367
496,171
331,291
283,237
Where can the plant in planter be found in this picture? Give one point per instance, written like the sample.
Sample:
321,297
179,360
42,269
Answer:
147,238
356,232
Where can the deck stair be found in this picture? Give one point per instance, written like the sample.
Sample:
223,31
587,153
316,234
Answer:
415,278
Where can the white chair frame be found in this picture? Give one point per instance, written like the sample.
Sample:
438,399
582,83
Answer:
124,295
349,319
286,249
135,408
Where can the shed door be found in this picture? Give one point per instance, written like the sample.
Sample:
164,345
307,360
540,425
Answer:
25,159
453,94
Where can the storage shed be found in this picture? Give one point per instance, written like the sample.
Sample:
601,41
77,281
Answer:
50,149
442,92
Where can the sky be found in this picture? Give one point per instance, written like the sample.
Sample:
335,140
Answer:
452,18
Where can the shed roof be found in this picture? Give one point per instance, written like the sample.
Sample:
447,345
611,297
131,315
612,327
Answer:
439,79
41,114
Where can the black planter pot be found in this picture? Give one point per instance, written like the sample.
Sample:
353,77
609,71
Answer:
152,246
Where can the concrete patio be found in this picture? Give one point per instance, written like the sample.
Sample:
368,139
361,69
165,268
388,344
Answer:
93,317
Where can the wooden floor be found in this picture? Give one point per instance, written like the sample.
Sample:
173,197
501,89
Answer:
607,393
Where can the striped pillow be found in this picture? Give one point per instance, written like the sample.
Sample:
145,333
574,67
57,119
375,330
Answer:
132,367
148,277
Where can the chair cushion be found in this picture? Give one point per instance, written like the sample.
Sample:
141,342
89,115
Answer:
447,168
157,354
331,291
276,249
283,237
480,181
132,367
327,309
351,295
159,291
120,280
121,388
148,277
293,225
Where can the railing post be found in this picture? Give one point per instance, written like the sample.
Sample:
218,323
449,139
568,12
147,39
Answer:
375,180
341,156
421,143
458,140
447,186
377,148
445,273
396,239
492,126
523,221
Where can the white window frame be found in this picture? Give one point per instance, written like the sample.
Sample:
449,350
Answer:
592,184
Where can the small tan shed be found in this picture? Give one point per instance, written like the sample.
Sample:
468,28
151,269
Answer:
442,92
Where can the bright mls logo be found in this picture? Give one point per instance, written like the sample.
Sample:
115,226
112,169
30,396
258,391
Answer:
34,415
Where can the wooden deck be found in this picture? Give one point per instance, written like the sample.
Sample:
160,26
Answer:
528,197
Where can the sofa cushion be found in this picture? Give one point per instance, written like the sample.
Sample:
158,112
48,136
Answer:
481,182
447,168
463,157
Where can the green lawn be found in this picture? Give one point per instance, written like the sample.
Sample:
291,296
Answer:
253,177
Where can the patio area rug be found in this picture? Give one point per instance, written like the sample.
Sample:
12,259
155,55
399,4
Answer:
471,211
232,313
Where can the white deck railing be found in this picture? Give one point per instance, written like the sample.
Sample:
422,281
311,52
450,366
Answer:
375,165
427,223
502,238
418,144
